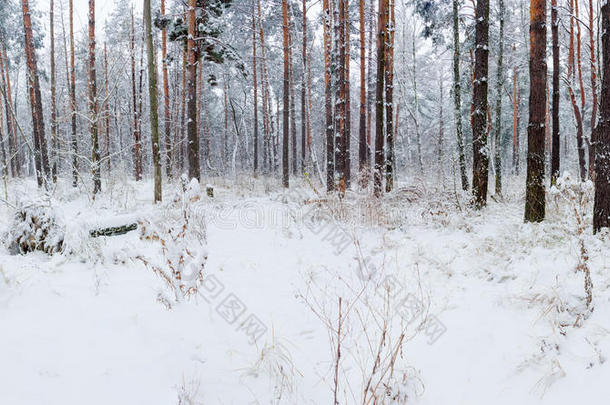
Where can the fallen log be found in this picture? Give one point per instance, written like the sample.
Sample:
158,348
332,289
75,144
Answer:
113,230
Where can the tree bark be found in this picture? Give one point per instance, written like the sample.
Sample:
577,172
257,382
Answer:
601,206
362,149
534,190
106,111
499,85
166,101
93,114
293,113
304,120
457,97
328,100
137,135
192,55
379,99
555,156
154,107
10,123
389,94
591,141
346,83
254,78
74,139
480,149
40,143
286,97
55,142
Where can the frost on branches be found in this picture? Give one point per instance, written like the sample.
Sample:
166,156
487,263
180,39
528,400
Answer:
181,237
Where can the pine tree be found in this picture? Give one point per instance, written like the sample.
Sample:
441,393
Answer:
166,99
54,139
152,94
192,57
40,143
328,99
457,96
534,190
286,97
379,98
480,162
93,114
601,206
555,156
74,139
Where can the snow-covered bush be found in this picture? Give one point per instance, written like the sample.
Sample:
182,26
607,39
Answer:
577,197
36,227
181,236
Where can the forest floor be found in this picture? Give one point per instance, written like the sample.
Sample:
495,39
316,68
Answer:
472,307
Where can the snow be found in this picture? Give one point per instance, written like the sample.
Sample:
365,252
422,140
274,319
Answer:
85,325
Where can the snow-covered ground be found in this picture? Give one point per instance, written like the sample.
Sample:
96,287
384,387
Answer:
487,309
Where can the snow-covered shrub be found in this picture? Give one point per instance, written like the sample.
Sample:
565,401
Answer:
36,227
181,236
577,196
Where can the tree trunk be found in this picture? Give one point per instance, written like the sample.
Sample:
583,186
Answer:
347,136
591,141
440,127
534,191
362,149
93,116
10,119
575,107
379,98
154,110
167,119
40,143
499,85
601,207
137,136
293,113
457,96
106,110
328,100
304,121
480,162
370,89
74,139
55,142
389,94
192,55
286,97
340,96
254,78
555,157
